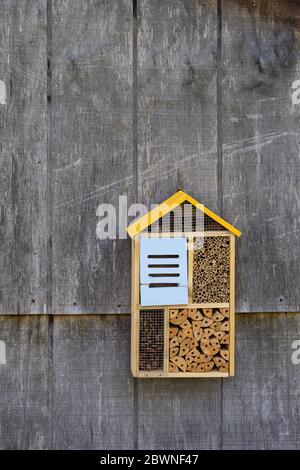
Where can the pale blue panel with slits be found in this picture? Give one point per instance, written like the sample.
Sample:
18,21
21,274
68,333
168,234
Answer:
153,270
157,296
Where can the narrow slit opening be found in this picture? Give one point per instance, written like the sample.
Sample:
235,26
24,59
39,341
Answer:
162,256
163,265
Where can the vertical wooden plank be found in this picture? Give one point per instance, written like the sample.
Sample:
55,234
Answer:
190,267
176,85
23,156
261,403
93,387
166,340
92,152
25,408
179,413
134,307
261,149
232,306
137,301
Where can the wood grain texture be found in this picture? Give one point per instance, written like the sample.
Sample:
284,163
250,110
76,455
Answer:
261,42
179,414
176,99
25,405
261,403
93,386
92,151
23,157
92,406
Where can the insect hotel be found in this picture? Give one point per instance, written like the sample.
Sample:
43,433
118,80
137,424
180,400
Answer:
182,322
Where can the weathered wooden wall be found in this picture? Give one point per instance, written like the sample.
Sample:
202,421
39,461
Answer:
110,98
67,384
120,97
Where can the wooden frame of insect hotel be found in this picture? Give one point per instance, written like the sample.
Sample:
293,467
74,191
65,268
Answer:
183,276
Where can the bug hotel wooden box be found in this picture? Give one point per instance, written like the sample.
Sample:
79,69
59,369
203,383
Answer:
183,276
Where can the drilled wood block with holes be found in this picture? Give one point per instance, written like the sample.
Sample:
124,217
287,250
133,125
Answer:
182,292
201,343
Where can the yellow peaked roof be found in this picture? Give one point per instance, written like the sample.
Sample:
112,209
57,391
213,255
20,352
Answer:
168,205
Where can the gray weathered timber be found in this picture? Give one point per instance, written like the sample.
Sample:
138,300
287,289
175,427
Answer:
91,151
25,404
179,414
176,99
79,387
92,384
23,157
261,403
137,103
261,43
177,146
